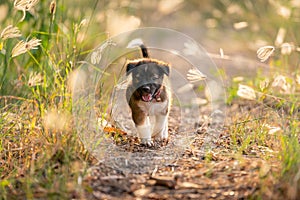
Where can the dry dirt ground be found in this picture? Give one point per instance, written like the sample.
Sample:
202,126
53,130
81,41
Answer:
221,173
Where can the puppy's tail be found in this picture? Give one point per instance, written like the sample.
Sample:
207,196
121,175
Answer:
144,51
139,43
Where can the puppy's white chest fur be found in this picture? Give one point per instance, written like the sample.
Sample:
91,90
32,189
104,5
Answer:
153,108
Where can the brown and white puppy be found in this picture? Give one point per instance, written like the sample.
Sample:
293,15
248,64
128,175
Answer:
148,97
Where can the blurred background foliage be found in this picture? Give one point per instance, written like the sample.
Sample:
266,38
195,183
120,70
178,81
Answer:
238,27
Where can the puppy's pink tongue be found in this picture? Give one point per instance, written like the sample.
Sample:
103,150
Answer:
147,97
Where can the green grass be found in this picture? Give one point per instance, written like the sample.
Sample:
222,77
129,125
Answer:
41,155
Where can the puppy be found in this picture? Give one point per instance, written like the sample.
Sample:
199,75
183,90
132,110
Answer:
148,97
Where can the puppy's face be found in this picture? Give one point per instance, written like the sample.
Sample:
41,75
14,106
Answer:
147,77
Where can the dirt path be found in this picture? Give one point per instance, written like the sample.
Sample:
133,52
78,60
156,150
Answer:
221,173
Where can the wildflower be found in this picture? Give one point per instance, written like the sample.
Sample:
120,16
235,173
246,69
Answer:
287,48
281,83
24,5
35,79
194,75
10,32
265,52
246,92
22,46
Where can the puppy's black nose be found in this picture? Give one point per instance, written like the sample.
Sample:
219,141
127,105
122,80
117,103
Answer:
146,89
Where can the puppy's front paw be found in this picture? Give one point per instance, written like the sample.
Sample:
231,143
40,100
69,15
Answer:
162,140
159,138
147,142
162,135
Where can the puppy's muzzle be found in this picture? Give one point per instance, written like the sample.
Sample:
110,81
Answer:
149,92
146,89
146,93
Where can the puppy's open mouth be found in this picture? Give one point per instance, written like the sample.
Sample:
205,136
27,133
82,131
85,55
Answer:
147,97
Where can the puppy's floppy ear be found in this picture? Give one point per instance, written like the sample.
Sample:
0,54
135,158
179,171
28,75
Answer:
129,68
165,69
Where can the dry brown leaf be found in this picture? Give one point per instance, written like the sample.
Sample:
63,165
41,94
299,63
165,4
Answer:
114,130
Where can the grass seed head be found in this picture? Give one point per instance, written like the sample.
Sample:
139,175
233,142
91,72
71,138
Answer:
52,7
265,52
194,75
24,46
24,5
10,32
246,92
281,83
19,49
35,79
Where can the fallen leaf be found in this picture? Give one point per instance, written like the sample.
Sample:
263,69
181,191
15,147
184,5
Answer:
114,130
